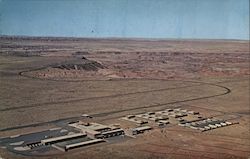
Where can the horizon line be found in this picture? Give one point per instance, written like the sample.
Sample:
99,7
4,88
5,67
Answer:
124,38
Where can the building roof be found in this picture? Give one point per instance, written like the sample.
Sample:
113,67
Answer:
54,139
93,132
142,128
83,143
92,126
112,131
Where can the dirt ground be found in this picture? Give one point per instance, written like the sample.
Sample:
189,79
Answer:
47,79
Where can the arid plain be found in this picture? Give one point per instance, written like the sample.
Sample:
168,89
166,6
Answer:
44,81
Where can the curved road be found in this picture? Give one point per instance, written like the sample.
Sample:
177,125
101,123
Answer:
197,83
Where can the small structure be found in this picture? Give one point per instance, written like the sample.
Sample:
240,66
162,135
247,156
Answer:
130,116
169,110
223,124
164,117
140,130
163,121
207,127
112,133
228,123
212,126
181,120
86,116
193,112
150,113
141,122
218,125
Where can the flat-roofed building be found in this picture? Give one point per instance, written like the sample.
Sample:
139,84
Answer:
228,123
169,110
218,125
112,133
62,138
150,113
163,121
130,116
92,126
212,126
85,143
93,134
223,124
139,130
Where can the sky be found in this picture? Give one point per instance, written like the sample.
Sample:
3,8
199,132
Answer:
179,19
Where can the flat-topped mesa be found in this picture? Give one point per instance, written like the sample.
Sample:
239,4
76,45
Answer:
83,64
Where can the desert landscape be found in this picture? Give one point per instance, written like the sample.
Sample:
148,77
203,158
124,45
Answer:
159,98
